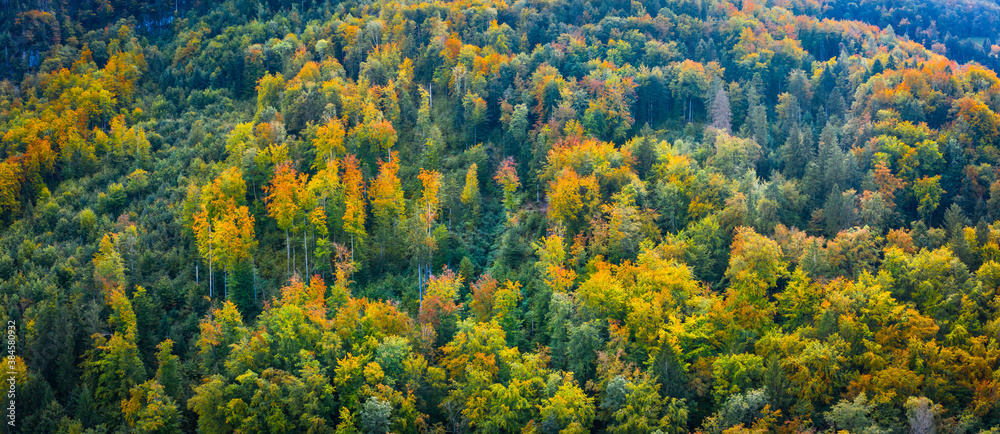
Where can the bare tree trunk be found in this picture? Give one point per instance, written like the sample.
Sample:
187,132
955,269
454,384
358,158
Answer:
288,255
305,250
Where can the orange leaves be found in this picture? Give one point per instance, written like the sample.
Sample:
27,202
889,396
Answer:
482,297
588,156
30,137
983,123
281,195
506,175
309,73
386,192
122,71
223,327
452,46
360,320
311,298
548,83
887,183
354,199
235,236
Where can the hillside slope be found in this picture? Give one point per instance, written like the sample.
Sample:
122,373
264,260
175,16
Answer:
480,216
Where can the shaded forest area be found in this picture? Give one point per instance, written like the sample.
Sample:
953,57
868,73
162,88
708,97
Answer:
481,216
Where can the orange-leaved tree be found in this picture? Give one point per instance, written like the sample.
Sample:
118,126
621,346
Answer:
281,203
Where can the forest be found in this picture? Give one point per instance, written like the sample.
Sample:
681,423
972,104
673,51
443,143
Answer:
501,216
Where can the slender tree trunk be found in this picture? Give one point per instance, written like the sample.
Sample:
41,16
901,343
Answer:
305,250
288,255
420,285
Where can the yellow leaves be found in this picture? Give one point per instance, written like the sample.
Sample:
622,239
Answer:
359,321
569,406
755,264
122,71
386,193
149,409
235,234
269,89
588,156
572,198
109,269
223,228
375,129
310,298
329,142
325,183
123,319
551,253
429,203
603,293
354,200
734,155
439,300
223,326
373,373
470,193
475,348
506,300
10,187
